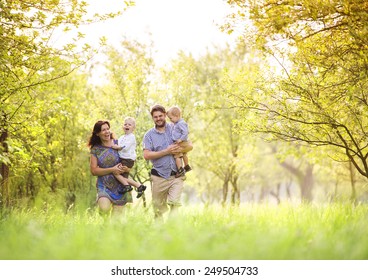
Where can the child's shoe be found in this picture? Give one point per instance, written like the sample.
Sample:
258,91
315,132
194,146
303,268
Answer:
187,168
181,172
141,190
124,188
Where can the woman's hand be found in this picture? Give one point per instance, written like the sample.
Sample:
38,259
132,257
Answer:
119,168
98,171
125,168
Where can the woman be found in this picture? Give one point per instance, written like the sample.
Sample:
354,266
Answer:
104,163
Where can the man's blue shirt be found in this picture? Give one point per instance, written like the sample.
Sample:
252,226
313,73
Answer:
155,141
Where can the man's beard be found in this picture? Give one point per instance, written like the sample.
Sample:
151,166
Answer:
161,125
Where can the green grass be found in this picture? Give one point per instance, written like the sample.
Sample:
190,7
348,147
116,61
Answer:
286,232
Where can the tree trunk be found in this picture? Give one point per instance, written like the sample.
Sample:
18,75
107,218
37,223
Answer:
225,190
288,186
306,180
352,181
306,184
235,194
277,193
262,194
4,172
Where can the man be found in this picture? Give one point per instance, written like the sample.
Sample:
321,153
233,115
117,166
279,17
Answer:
158,147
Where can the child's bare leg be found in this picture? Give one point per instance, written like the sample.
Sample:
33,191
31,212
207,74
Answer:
125,185
185,159
178,162
133,183
122,179
187,167
179,165
138,187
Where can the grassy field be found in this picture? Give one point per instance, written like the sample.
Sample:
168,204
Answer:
256,232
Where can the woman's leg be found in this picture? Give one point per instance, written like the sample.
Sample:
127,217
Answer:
104,206
117,210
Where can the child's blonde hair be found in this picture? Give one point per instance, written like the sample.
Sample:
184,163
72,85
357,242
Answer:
175,111
130,119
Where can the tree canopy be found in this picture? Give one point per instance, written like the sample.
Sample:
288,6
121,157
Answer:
30,59
317,94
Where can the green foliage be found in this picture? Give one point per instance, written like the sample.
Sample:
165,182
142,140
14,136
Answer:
129,71
196,86
319,94
48,108
43,152
252,232
38,116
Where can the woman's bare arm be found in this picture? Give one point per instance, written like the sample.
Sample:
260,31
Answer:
98,171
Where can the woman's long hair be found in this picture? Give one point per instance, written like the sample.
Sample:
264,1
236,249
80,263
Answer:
94,138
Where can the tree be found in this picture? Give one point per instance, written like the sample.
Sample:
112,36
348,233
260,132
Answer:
195,86
304,176
318,93
47,152
29,58
128,71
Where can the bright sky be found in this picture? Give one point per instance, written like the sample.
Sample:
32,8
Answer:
188,25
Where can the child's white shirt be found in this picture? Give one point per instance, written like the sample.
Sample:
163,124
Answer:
128,144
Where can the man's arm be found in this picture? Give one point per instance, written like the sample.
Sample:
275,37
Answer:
173,148
149,155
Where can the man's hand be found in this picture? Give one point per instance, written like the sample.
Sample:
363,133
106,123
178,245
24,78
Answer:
174,148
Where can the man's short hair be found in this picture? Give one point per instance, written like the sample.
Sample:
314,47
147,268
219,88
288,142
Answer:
159,108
